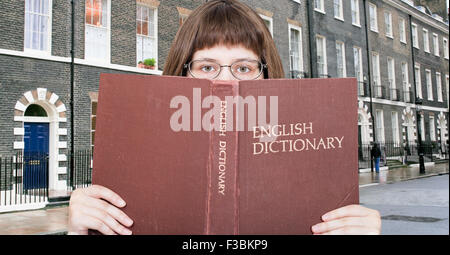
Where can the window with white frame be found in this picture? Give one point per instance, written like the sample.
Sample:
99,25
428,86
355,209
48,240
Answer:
340,58
445,43
376,68
338,9
373,17
319,6
415,36
357,58
93,122
38,25
418,81
295,50
395,129
422,127
269,23
391,78
439,87
405,81
146,33
379,125
436,44
402,30
447,89
97,36
322,68
429,84
388,24
426,41
432,129
355,12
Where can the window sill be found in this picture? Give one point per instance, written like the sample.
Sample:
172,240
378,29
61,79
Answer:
320,11
374,30
356,25
339,18
390,37
404,42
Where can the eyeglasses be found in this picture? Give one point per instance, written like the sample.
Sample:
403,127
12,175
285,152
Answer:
246,69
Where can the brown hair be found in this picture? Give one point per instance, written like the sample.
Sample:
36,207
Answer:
227,22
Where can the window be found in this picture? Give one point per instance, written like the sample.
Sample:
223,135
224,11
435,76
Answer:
376,68
340,58
319,6
268,21
429,84
432,129
97,40
426,42
355,12
373,17
295,51
391,78
376,75
418,82
422,127
445,43
405,81
395,129
379,126
146,31
338,10
321,57
388,24
357,58
447,88
93,121
415,36
436,44
439,87
38,25
402,30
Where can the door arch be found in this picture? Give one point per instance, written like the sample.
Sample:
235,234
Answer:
30,108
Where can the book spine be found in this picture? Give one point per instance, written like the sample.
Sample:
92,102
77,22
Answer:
223,215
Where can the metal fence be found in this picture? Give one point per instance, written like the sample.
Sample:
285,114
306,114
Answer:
407,154
24,177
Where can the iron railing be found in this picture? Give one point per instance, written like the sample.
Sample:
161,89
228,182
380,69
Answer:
408,153
24,177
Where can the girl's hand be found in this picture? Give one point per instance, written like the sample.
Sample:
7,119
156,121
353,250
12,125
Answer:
349,220
96,208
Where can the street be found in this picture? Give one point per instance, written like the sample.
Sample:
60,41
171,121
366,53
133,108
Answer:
414,207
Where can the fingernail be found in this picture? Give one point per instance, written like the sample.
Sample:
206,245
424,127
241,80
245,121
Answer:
127,232
122,203
325,217
315,228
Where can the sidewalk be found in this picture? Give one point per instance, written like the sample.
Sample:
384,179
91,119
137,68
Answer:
54,220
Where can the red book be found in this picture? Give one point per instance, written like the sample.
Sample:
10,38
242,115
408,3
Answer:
194,156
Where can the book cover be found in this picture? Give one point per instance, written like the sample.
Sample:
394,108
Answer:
194,156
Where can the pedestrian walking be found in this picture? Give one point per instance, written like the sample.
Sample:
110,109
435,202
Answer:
376,154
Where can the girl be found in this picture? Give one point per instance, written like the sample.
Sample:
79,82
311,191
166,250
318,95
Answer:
224,40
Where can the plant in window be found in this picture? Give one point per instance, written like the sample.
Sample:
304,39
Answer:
149,63
141,64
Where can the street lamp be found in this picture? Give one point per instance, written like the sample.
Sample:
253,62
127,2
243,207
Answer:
419,132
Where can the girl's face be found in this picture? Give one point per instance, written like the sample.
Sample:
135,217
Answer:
226,55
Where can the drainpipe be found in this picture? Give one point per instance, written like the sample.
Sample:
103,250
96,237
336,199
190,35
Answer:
369,79
310,36
72,63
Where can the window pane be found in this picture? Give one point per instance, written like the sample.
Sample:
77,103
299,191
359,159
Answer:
139,27
145,28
